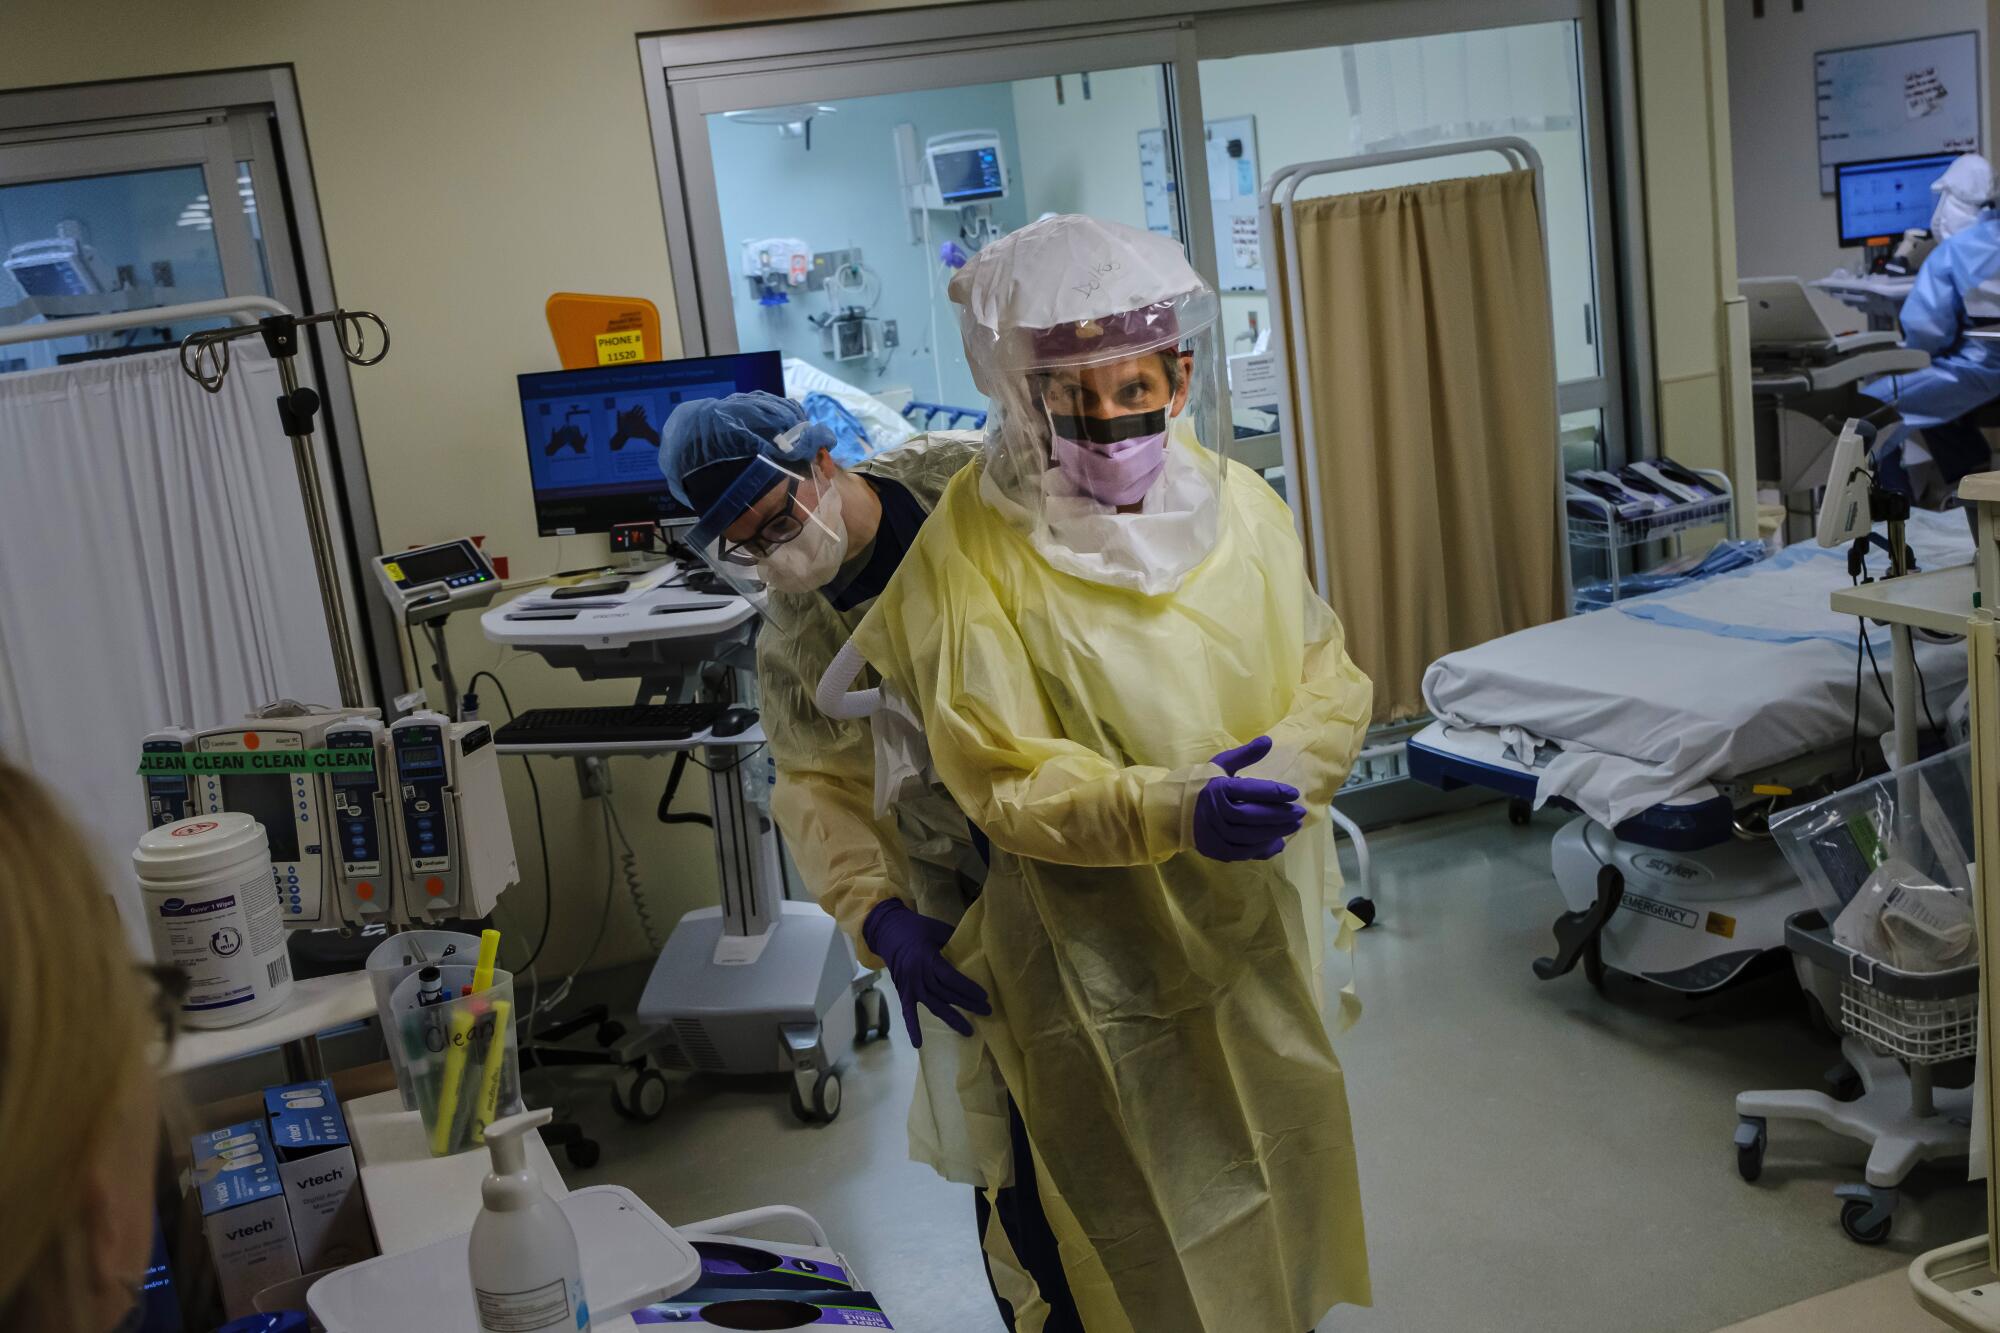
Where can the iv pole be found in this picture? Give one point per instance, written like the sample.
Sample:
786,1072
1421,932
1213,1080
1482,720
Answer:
205,358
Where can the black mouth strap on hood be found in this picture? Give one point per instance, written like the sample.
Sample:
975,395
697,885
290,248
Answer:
1109,430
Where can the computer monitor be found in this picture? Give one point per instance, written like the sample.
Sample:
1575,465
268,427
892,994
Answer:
594,434
1880,200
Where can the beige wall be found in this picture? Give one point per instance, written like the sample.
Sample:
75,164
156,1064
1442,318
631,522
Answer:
471,157
1700,343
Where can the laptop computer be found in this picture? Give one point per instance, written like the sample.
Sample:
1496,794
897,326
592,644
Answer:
1784,319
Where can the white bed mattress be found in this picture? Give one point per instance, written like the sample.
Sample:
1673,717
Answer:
1651,697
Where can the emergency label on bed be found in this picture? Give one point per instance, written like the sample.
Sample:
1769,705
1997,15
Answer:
259,761
1659,911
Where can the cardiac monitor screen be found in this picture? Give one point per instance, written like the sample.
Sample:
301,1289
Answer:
266,798
968,174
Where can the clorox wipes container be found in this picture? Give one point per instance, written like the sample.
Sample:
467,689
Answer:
214,912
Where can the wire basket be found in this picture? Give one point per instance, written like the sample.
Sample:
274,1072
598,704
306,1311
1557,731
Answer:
1923,1032
1609,531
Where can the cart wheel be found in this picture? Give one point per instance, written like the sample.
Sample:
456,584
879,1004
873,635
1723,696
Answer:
1519,813
644,1100
871,1016
1751,1140
826,1097
1851,1214
610,1032
1843,1084
1593,962
582,1153
1363,909
884,1024
799,1108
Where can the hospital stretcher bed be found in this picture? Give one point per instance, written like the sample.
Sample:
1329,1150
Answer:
1669,724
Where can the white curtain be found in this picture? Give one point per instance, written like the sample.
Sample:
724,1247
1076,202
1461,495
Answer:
154,569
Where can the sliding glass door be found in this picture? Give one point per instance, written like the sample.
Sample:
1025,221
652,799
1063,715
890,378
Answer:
813,173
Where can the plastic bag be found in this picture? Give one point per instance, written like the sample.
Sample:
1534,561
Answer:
1899,846
1909,921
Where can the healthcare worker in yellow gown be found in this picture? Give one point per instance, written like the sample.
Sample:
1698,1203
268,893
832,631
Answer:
1130,687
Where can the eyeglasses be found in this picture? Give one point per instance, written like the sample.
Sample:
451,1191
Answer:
774,532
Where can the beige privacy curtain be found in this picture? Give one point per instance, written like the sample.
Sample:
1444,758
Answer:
1428,351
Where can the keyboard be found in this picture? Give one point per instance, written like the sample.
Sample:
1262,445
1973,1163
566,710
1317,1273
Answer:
587,726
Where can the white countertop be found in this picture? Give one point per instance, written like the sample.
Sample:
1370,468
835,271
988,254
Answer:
413,1197
1939,600
316,1005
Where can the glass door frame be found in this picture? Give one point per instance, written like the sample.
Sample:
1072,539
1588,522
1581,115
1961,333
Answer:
1329,23
682,101
689,75
259,111
208,146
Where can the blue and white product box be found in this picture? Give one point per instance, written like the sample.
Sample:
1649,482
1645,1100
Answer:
322,1183
243,1213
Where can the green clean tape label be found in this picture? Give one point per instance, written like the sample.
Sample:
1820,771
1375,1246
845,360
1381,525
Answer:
255,761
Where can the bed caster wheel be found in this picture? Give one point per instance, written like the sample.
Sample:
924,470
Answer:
610,1033
1843,1084
1363,910
1854,1216
644,1099
582,1153
871,1016
1519,813
1751,1140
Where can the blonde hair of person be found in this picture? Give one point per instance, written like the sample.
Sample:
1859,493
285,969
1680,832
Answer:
76,1045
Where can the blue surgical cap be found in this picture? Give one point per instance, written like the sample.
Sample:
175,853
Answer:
708,443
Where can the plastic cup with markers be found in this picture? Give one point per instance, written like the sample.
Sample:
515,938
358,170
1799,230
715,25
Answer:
461,1052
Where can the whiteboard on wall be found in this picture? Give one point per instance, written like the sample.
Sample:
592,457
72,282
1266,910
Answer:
1896,99
1232,196
1233,181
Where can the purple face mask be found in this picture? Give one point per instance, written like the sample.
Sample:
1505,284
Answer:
1113,460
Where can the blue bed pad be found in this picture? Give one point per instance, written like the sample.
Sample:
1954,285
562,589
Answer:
1668,828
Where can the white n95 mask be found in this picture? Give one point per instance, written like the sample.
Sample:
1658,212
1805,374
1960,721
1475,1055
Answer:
809,561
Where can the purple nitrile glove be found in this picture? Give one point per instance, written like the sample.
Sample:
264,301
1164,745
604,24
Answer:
912,945
1244,819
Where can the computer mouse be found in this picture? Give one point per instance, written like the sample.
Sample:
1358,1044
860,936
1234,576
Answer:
735,720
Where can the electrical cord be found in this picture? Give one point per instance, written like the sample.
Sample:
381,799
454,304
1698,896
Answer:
664,812
541,826
1924,694
635,888
731,768
1854,732
1875,668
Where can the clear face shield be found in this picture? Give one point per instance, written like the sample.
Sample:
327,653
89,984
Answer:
776,529
1108,443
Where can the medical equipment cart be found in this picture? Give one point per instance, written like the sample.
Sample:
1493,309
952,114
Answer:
758,983
1892,1019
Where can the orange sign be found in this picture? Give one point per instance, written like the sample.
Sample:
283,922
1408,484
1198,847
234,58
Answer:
604,330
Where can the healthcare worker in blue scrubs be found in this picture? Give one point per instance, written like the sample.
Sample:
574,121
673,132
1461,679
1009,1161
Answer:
1957,289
